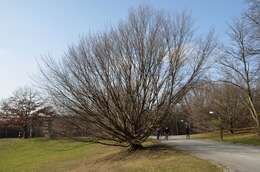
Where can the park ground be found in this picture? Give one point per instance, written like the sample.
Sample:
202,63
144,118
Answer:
40,155
62,155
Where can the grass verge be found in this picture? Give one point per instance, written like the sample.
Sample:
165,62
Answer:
244,138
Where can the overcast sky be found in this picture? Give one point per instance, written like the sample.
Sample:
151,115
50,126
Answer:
30,29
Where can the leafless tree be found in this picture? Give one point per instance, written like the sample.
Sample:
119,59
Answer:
252,18
23,107
124,80
240,66
225,100
197,104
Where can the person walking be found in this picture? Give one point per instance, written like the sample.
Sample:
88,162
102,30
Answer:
158,132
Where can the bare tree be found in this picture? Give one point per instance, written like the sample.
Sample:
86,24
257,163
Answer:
224,99
197,104
23,107
123,81
227,100
240,67
253,17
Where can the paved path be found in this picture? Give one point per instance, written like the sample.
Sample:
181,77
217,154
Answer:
236,158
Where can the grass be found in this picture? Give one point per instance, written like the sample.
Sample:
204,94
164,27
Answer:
40,155
36,154
244,138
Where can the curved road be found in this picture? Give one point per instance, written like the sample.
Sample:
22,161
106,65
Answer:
236,158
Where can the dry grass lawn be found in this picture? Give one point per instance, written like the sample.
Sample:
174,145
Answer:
152,159
39,155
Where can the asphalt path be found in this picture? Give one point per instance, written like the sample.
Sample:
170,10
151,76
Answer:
233,157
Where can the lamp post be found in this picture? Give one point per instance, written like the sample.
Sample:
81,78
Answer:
181,122
187,128
220,123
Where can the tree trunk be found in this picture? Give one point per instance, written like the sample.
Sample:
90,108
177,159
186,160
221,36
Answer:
258,128
135,146
221,128
257,125
231,126
255,115
25,132
176,125
30,132
221,133
6,135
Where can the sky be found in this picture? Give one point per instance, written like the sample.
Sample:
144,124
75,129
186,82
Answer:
32,29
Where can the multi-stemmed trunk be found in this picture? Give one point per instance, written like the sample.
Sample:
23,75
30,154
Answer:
135,146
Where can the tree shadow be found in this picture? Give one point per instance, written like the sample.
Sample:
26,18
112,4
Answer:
158,147
150,151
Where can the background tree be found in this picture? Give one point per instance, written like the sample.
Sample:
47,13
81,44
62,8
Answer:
196,105
240,67
226,100
253,19
24,106
123,81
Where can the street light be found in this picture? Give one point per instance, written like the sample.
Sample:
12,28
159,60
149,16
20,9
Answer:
220,123
187,128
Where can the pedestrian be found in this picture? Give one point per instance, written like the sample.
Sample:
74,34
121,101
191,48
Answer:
166,131
187,129
158,132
